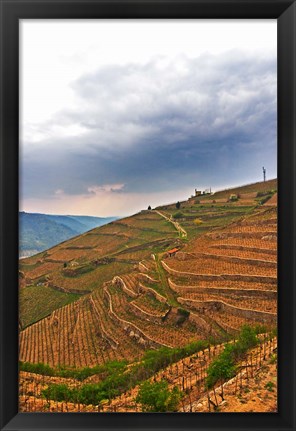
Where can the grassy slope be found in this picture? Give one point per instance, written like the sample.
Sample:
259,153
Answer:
36,302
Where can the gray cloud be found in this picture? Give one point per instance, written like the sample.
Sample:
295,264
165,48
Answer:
207,120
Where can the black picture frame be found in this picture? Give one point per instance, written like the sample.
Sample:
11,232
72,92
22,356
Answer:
14,10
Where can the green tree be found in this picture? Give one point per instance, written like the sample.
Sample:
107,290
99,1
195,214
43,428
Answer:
247,337
222,368
59,392
156,397
178,205
149,208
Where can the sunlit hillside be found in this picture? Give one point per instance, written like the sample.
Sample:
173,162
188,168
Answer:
178,277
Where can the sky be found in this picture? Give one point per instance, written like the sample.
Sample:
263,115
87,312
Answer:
116,115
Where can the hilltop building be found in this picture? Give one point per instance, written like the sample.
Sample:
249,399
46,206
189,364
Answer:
205,192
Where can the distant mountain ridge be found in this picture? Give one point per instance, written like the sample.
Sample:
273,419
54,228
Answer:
38,232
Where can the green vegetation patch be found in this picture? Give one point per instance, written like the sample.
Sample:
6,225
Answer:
23,266
265,193
163,287
224,366
178,215
37,302
270,386
157,397
80,374
182,316
117,376
92,279
149,301
264,199
78,270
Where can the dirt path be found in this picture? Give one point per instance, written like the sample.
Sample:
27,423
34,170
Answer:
178,227
170,294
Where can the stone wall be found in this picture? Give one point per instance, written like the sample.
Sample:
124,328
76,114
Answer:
201,324
119,282
64,290
267,294
204,306
211,277
132,330
241,247
142,314
142,267
232,259
113,343
158,296
147,278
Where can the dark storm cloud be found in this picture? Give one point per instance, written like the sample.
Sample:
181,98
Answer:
152,126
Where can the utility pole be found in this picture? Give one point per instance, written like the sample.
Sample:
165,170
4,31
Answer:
264,174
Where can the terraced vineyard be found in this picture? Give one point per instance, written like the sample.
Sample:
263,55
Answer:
256,370
153,280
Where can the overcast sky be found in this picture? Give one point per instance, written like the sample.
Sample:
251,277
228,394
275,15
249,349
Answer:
117,115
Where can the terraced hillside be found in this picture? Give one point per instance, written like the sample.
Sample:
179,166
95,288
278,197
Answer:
252,387
159,279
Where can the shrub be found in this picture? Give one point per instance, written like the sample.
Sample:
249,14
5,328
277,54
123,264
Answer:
265,199
265,193
38,368
197,221
224,366
93,394
155,360
58,392
183,315
157,397
269,386
183,312
247,337
178,214
260,329
116,377
178,205
77,373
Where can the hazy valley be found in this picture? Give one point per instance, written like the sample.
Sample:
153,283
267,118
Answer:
39,232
